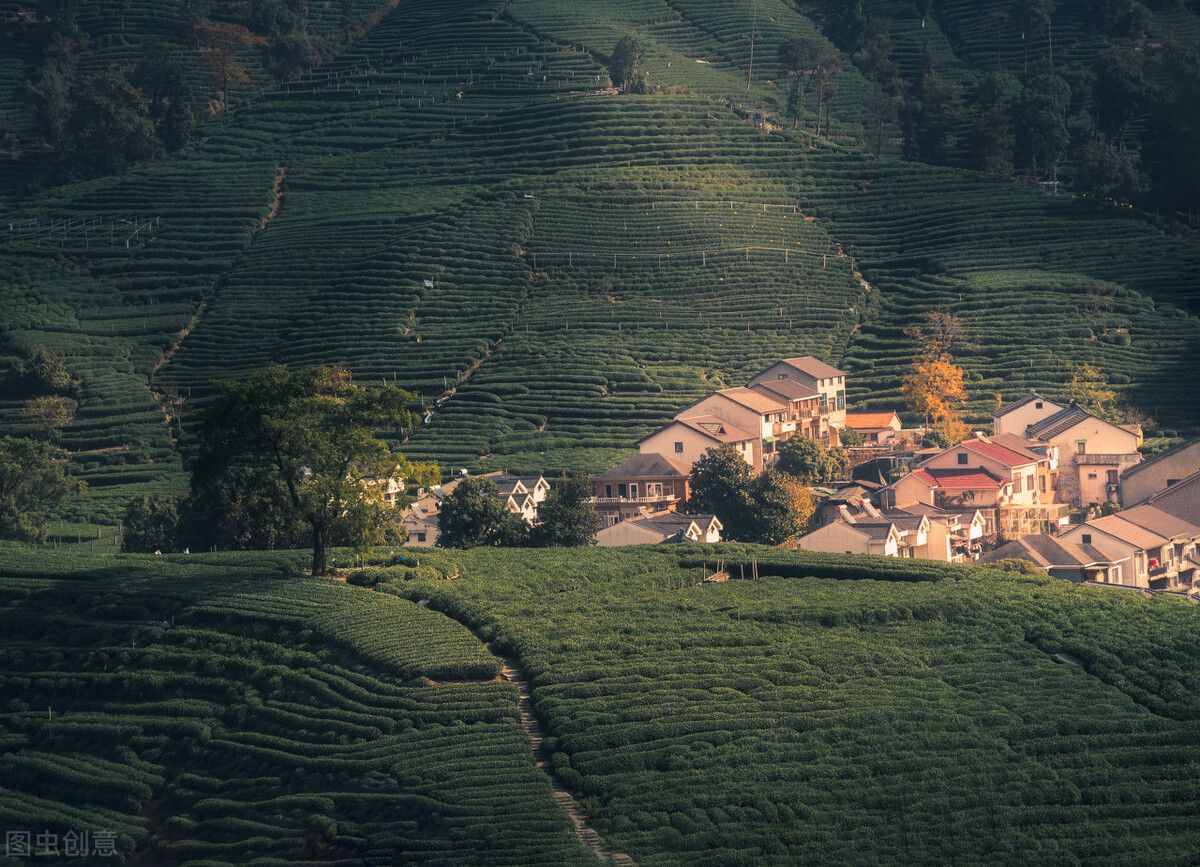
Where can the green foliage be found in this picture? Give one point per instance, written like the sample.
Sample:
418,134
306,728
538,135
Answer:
625,65
313,433
567,517
110,124
150,524
474,514
33,485
721,486
811,462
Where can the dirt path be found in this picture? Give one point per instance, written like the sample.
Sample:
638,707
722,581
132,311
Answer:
565,800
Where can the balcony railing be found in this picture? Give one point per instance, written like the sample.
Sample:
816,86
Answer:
639,500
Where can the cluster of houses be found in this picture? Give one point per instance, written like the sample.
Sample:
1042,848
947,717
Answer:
1010,493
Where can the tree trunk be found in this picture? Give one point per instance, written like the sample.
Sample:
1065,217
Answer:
319,563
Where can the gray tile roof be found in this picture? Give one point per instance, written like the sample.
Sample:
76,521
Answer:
1063,420
646,466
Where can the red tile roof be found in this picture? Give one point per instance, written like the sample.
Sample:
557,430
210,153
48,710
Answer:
997,452
754,400
814,367
956,479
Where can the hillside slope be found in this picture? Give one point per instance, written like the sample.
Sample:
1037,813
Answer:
456,203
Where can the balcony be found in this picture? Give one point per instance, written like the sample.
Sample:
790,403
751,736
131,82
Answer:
661,498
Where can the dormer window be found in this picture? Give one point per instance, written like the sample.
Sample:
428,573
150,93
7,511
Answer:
962,459
1087,538
1038,405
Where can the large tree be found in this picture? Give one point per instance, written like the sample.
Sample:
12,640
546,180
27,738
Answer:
33,483
1088,387
799,59
809,461
935,390
721,486
567,517
110,123
312,434
150,524
625,65
781,507
475,515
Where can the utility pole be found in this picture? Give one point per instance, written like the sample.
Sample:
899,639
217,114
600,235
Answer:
753,36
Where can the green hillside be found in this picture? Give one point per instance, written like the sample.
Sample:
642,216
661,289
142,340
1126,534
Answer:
455,202
210,710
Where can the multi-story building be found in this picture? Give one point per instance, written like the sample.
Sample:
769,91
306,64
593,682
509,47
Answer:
1009,485
1160,472
825,380
1092,453
643,483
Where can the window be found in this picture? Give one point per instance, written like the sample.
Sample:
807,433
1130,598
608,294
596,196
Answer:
678,447
420,537
622,490
654,489
1172,482
824,403
1042,484
1091,475
1029,482
962,458
1017,485
633,490
1081,447
1087,538
1038,405
841,400
1112,477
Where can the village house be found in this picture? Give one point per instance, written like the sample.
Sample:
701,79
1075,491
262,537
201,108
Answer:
803,408
686,440
420,521
1160,472
876,428
1010,486
881,538
1147,548
932,533
1102,560
747,410
535,485
516,496
521,494
1092,454
661,527
827,381
644,482
1015,417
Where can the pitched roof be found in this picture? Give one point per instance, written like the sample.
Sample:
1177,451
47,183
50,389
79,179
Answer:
646,465
716,429
813,366
1001,454
509,485
754,400
1174,450
666,526
1020,445
1126,531
1158,521
871,419
1062,421
968,478
1018,403
529,481
787,388
1049,551
1182,499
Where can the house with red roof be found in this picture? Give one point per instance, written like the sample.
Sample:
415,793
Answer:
877,428
1010,485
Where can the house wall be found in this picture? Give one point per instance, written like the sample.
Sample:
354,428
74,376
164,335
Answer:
910,490
1135,571
415,526
1154,478
837,538
1016,421
1101,438
737,415
625,533
937,546
662,442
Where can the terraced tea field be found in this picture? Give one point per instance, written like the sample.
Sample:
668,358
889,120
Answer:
456,203
205,714
918,715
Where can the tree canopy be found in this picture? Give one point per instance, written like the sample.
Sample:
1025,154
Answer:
809,461
625,66
305,441
474,515
33,483
567,517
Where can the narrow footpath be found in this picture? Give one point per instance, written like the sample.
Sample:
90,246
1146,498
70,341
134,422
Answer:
564,799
